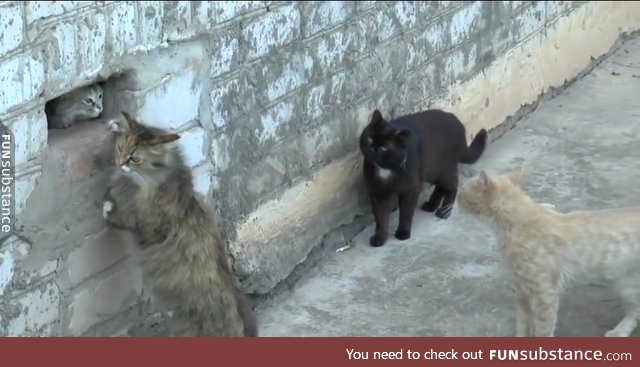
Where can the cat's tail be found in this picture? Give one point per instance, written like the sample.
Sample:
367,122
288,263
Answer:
475,150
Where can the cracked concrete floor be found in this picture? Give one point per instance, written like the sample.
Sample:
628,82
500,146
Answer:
580,150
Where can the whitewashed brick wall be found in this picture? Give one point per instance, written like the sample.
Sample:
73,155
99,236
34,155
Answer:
262,92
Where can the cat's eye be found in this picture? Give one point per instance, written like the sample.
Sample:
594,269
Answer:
88,101
134,159
99,95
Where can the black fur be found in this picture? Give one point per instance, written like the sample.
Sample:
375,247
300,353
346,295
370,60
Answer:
421,147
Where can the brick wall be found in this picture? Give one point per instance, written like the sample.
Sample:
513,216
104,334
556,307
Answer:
264,93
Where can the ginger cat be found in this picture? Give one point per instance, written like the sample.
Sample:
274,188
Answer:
546,249
182,255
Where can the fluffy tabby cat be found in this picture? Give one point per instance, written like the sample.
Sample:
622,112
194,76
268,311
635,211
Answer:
182,256
81,104
401,154
545,249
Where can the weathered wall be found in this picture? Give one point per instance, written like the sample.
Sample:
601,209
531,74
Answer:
270,98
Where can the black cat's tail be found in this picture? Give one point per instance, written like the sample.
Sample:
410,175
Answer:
475,150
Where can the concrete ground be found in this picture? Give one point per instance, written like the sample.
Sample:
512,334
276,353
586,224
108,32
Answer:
580,150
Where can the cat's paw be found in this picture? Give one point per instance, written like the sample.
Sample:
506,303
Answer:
377,240
107,207
445,211
61,125
429,207
115,126
403,234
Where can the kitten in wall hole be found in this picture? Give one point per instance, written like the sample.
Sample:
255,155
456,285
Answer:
84,103
546,249
182,254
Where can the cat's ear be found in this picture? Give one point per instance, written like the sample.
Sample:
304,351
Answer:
485,180
130,122
163,139
515,175
377,121
402,137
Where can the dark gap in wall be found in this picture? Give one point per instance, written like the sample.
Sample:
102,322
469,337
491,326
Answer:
76,121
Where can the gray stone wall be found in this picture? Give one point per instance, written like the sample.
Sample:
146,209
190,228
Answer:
264,94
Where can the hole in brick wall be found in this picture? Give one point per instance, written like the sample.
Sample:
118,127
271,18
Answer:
76,122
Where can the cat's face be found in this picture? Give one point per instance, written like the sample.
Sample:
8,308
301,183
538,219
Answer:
387,147
478,193
390,149
140,152
90,100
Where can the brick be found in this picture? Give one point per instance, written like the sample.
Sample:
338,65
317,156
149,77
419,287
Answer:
227,10
177,20
271,30
496,43
30,278
122,28
275,117
22,79
424,82
321,15
361,34
224,99
459,64
109,296
7,268
65,65
11,26
24,186
45,9
337,88
26,279
464,21
225,55
427,43
220,152
516,5
193,146
530,20
159,104
556,9
79,145
39,309
406,13
314,101
364,6
92,35
150,19
332,50
29,135
203,14
97,253
370,76
282,78
203,179
387,28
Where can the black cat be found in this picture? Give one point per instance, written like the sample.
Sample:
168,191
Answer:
401,154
